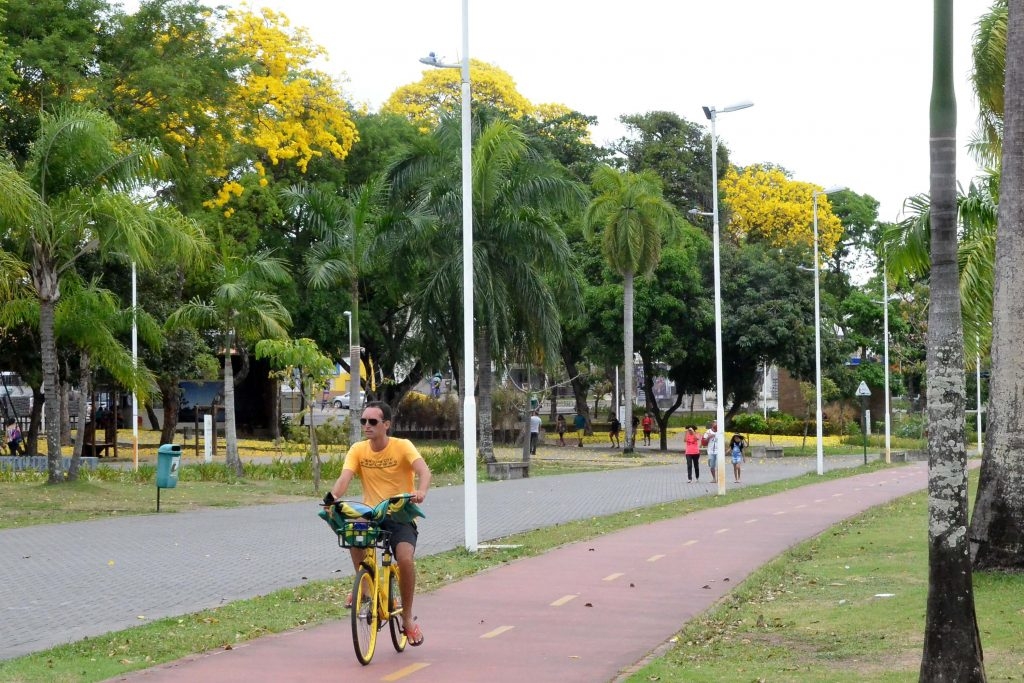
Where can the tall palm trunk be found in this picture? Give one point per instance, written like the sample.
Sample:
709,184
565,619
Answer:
84,390
485,380
997,526
952,645
230,433
628,373
51,408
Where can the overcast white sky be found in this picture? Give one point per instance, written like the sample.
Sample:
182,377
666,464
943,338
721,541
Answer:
841,89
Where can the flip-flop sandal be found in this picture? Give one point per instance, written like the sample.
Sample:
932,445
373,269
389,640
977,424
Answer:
415,635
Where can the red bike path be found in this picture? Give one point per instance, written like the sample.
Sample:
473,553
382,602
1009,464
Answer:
584,612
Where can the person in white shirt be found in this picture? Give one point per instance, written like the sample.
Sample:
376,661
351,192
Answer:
710,439
534,432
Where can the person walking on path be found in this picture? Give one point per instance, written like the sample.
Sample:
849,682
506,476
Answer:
387,465
580,423
736,451
710,440
560,428
647,423
692,454
614,427
534,432
13,435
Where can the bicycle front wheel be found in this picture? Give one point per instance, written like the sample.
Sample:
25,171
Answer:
395,623
364,616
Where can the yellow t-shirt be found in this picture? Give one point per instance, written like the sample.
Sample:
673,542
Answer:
383,473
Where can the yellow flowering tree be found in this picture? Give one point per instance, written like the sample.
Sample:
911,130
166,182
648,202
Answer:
766,205
439,90
284,107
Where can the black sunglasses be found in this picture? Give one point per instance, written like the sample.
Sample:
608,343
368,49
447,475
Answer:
372,421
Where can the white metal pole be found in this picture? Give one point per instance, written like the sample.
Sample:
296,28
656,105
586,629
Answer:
719,375
977,383
885,346
764,391
817,344
135,365
469,376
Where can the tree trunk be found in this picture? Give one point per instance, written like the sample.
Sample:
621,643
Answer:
952,644
84,387
51,390
627,360
485,380
997,526
230,434
171,401
65,413
314,449
579,389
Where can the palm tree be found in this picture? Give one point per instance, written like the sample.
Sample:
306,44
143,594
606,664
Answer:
243,308
520,254
76,195
634,219
88,317
989,79
344,228
997,526
952,645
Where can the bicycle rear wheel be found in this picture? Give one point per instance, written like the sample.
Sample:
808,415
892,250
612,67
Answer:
395,623
364,616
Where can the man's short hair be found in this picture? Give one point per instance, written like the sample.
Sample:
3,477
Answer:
385,409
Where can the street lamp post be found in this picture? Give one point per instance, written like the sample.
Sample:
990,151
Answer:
885,358
353,384
712,114
468,356
817,332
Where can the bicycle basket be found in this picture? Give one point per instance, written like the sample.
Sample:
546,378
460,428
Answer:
358,534
353,532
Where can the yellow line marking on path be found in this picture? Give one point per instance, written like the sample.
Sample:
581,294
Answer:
402,673
780,512
690,542
654,558
497,632
564,599
837,495
819,500
721,531
612,577
800,506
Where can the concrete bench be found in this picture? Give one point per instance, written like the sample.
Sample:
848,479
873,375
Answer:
767,451
508,470
907,456
19,463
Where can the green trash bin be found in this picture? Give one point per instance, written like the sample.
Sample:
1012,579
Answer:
167,465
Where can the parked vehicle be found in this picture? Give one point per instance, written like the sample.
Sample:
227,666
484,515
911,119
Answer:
343,400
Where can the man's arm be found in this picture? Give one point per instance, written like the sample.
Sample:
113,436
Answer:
341,485
419,466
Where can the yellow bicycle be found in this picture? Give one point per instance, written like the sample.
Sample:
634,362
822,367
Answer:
376,599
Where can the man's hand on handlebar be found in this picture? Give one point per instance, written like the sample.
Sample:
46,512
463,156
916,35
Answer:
328,499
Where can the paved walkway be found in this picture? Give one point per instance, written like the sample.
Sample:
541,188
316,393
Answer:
586,612
107,575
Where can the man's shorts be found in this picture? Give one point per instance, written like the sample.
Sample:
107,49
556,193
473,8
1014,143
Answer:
401,532
712,460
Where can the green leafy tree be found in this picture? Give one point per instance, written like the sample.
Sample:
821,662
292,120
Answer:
952,643
314,369
242,309
633,219
521,257
75,195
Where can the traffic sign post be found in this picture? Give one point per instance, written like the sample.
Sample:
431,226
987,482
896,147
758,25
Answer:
864,393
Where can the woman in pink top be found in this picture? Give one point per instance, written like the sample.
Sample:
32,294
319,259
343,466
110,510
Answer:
692,454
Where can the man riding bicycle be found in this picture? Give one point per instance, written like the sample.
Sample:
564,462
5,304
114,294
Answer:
387,465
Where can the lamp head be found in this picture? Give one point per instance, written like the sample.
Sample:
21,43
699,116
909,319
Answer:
737,106
709,112
347,314
430,59
830,190
698,212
